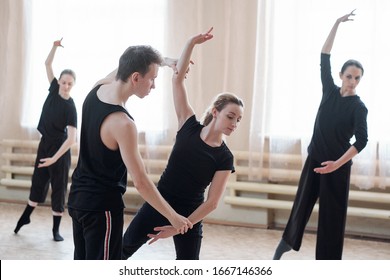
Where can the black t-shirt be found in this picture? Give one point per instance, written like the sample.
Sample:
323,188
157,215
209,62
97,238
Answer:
100,178
192,165
57,114
338,120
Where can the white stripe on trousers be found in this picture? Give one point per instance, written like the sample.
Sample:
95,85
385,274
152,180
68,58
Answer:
107,236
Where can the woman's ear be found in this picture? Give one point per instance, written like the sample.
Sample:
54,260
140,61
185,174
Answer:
214,112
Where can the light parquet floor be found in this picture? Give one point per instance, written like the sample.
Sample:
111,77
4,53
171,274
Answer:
35,241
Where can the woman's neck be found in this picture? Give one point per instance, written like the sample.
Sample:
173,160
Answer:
210,136
345,93
65,96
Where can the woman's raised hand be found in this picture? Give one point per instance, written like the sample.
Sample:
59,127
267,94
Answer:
201,38
347,17
58,43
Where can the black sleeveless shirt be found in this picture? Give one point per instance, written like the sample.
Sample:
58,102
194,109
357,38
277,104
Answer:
100,178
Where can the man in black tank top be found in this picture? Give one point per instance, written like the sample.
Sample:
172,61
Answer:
108,150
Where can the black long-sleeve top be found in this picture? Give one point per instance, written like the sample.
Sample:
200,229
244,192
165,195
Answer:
338,120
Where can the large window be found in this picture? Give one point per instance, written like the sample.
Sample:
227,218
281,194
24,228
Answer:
284,48
299,29
288,87
95,34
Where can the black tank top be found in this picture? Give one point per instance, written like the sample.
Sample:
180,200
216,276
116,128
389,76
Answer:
100,178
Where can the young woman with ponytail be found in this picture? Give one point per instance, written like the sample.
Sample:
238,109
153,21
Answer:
199,159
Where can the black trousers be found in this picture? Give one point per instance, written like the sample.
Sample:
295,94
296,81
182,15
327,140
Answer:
97,235
187,245
332,191
56,174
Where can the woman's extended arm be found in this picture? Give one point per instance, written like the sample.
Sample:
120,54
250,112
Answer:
330,165
49,60
68,143
107,79
182,106
327,47
215,193
170,62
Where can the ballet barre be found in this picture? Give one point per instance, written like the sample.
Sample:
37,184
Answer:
18,157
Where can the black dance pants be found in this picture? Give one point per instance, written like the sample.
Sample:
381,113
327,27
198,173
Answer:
97,235
332,191
56,175
187,245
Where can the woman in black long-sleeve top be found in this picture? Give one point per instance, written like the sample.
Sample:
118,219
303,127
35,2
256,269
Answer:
326,173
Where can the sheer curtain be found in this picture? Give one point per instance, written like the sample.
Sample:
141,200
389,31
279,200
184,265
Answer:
287,79
224,64
265,51
95,34
14,18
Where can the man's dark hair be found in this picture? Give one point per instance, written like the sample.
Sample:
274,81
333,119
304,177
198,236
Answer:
137,59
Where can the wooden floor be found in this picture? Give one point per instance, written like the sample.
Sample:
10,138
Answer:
35,241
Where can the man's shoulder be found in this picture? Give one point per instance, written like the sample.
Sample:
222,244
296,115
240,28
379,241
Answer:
120,119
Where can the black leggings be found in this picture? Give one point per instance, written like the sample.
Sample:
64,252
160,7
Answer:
332,190
187,245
